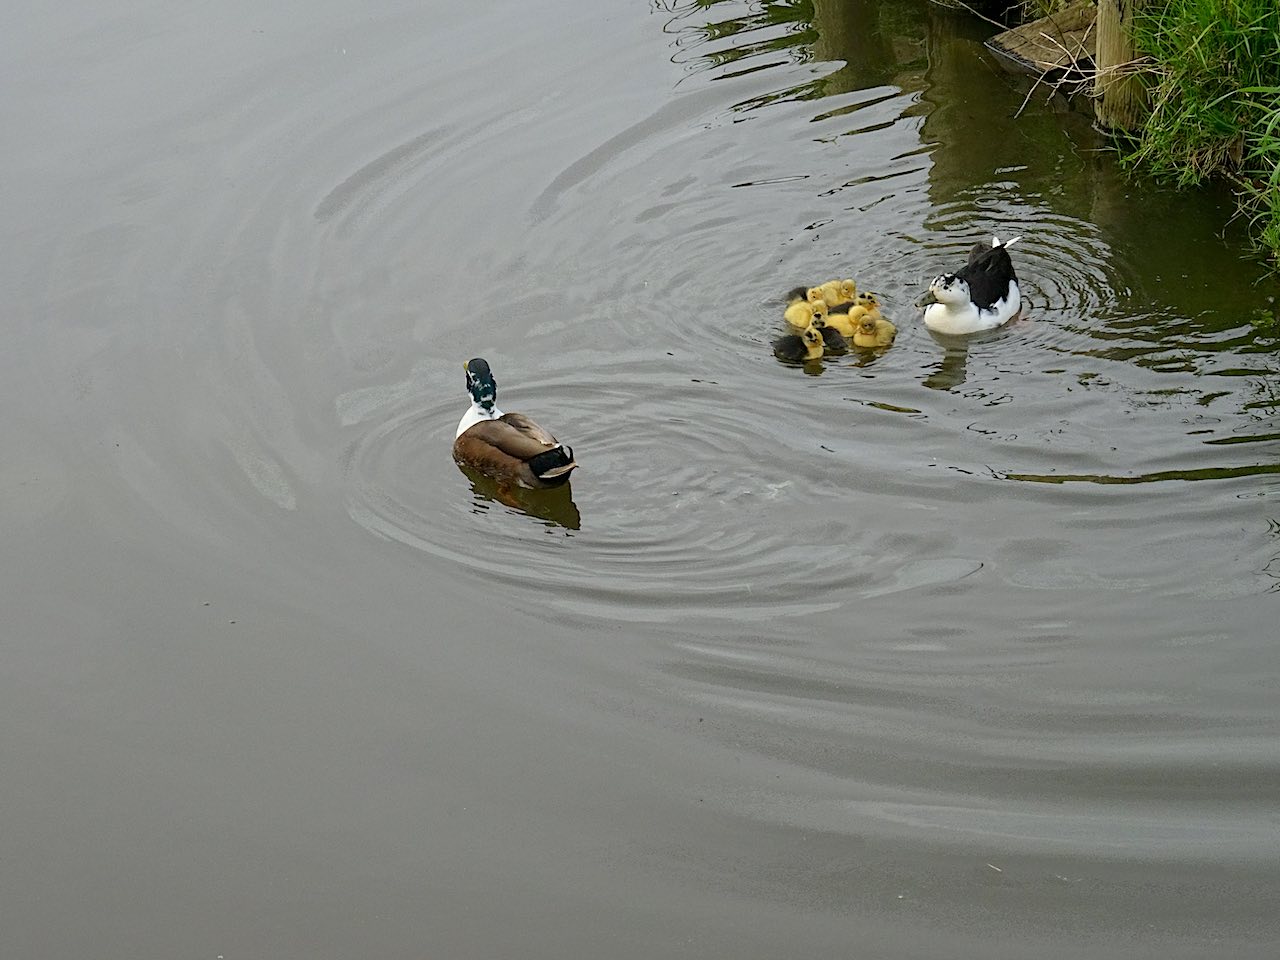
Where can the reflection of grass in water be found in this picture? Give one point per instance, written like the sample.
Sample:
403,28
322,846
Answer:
1204,473
753,37
1266,321
553,507
796,18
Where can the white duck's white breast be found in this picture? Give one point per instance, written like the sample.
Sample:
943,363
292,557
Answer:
957,318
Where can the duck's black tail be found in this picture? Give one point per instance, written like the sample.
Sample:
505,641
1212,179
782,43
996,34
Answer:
554,463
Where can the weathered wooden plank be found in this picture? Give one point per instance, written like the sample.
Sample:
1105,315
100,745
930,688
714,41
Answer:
1060,42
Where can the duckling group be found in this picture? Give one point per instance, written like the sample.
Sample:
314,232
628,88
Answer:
981,295
827,318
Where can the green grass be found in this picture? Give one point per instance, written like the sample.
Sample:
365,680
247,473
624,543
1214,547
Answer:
1213,79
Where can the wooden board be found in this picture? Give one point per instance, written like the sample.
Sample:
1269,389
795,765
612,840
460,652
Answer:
1061,42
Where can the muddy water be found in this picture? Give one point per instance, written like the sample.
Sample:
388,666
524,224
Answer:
964,649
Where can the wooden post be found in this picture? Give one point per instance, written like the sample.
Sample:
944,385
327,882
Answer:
1122,98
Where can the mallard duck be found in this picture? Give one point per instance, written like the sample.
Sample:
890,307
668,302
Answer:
873,331
981,295
797,295
509,447
799,347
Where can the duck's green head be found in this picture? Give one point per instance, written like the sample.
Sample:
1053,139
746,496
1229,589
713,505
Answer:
480,383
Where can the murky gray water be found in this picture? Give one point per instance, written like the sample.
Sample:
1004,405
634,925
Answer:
962,650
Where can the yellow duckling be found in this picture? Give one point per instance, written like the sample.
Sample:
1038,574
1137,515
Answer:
866,304
800,314
828,292
833,292
837,320
845,316
848,297
873,331
799,348
865,299
832,339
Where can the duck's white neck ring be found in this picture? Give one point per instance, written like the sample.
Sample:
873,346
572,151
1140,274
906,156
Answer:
475,415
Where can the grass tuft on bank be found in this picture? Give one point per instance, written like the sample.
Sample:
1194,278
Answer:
1213,75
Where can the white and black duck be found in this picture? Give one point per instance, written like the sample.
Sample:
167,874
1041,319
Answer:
981,295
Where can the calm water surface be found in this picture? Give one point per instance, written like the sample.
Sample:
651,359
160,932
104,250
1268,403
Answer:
965,649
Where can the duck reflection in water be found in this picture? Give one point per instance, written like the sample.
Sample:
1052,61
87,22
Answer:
952,370
554,507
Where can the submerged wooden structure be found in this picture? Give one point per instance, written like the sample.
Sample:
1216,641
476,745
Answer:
1061,44
1085,43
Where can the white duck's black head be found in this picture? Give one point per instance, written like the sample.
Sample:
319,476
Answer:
480,383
